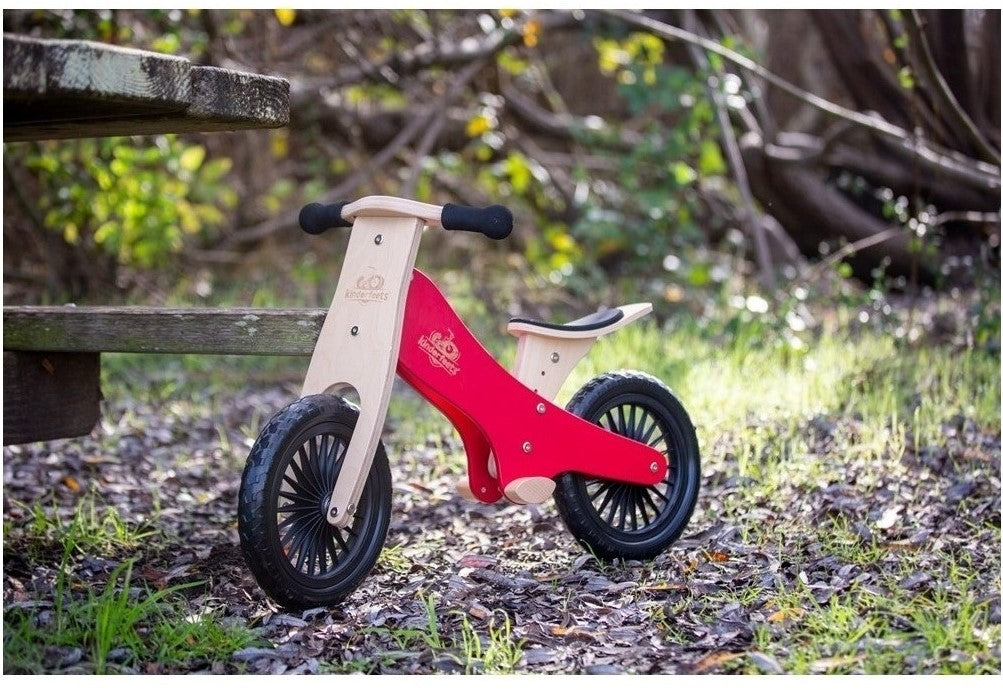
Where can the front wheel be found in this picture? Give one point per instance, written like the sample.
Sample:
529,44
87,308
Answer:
632,521
296,555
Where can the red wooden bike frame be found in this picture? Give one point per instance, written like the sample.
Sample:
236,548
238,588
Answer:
496,414
385,316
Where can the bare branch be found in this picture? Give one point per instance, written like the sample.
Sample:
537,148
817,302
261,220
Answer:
981,174
959,118
966,217
752,220
851,249
438,118
439,53
348,187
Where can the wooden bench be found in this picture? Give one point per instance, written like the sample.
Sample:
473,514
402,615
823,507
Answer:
56,89
52,355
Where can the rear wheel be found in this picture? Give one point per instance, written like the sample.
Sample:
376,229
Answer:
633,521
296,555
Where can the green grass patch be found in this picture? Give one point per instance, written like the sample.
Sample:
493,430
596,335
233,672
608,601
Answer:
90,529
493,650
115,627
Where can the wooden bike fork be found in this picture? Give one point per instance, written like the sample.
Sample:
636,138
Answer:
360,341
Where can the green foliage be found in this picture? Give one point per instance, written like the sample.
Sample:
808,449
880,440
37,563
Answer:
653,202
134,199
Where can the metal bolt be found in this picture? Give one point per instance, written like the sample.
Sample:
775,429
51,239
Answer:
333,512
654,467
379,239
484,489
351,509
526,447
540,408
555,358
355,330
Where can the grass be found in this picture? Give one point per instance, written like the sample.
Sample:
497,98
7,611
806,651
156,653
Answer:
90,529
139,626
778,424
494,651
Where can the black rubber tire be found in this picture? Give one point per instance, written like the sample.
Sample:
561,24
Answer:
329,563
665,509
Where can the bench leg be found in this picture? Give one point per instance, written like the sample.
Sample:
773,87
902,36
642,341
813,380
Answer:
49,395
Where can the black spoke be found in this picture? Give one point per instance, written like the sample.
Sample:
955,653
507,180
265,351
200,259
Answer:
332,550
311,469
320,468
650,429
296,508
297,464
648,491
336,533
609,497
646,498
297,531
603,487
611,424
296,486
296,500
623,508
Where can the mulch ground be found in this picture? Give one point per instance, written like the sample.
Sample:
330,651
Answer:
696,608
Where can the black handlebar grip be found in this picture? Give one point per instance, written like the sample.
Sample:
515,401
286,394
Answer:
316,218
494,221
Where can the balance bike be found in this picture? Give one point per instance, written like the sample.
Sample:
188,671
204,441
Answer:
621,462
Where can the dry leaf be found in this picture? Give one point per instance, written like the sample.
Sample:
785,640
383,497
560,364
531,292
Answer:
479,612
788,614
823,665
713,660
888,518
717,556
571,631
71,484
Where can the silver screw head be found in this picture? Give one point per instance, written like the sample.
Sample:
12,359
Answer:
654,467
541,408
351,509
333,512
555,358
526,447
379,239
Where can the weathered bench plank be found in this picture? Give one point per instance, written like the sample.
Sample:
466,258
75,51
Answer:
223,331
58,89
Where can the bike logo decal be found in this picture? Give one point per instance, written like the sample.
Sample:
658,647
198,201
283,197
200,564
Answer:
441,351
368,288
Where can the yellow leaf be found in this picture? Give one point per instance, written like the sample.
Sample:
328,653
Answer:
712,661
71,233
71,484
782,615
478,125
286,16
674,293
192,158
280,144
531,33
